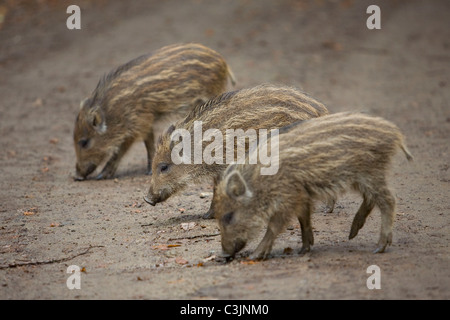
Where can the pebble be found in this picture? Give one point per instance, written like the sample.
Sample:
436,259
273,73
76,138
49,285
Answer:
205,194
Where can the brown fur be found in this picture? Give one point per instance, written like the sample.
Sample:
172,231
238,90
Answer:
130,100
261,107
319,159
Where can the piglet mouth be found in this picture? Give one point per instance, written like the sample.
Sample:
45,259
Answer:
227,257
80,176
230,254
154,198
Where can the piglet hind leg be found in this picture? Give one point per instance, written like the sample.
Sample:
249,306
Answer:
360,217
329,207
210,213
386,203
304,217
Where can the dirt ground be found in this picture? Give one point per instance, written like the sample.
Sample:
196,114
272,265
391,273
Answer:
127,249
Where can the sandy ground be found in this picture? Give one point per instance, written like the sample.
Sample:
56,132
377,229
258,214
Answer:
127,249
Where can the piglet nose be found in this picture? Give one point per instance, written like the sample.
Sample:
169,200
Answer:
150,201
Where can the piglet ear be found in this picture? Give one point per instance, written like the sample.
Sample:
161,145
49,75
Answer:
236,187
84,103
170,129
97,119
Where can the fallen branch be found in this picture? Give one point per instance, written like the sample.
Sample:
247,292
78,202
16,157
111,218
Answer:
194,237
36,263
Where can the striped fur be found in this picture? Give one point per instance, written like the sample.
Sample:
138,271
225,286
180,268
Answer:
261,107
130,99
319,159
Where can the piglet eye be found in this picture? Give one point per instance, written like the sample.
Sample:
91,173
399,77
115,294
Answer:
228,217
163,167
84,143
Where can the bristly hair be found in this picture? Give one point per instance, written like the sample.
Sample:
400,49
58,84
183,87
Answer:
288,127
200,108
113,74
292,125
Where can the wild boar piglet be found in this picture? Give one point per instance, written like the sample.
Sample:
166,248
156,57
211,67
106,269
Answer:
231,116
319,158
133,99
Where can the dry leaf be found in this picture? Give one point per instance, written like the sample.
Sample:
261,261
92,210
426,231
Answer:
332,45
30,212
188,225
249,262
182,210
136,205
181,260
209,32
209,258
288,250
160,247
54,224
165,246
54,140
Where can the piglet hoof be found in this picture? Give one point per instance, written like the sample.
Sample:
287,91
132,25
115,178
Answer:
379,249
259,255
304,250
104,175
385,240
353,232
254,257
209,214
227,257
329,207
149,201
100,176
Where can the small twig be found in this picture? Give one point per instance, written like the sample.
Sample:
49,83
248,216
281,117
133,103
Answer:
194,237
36,263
